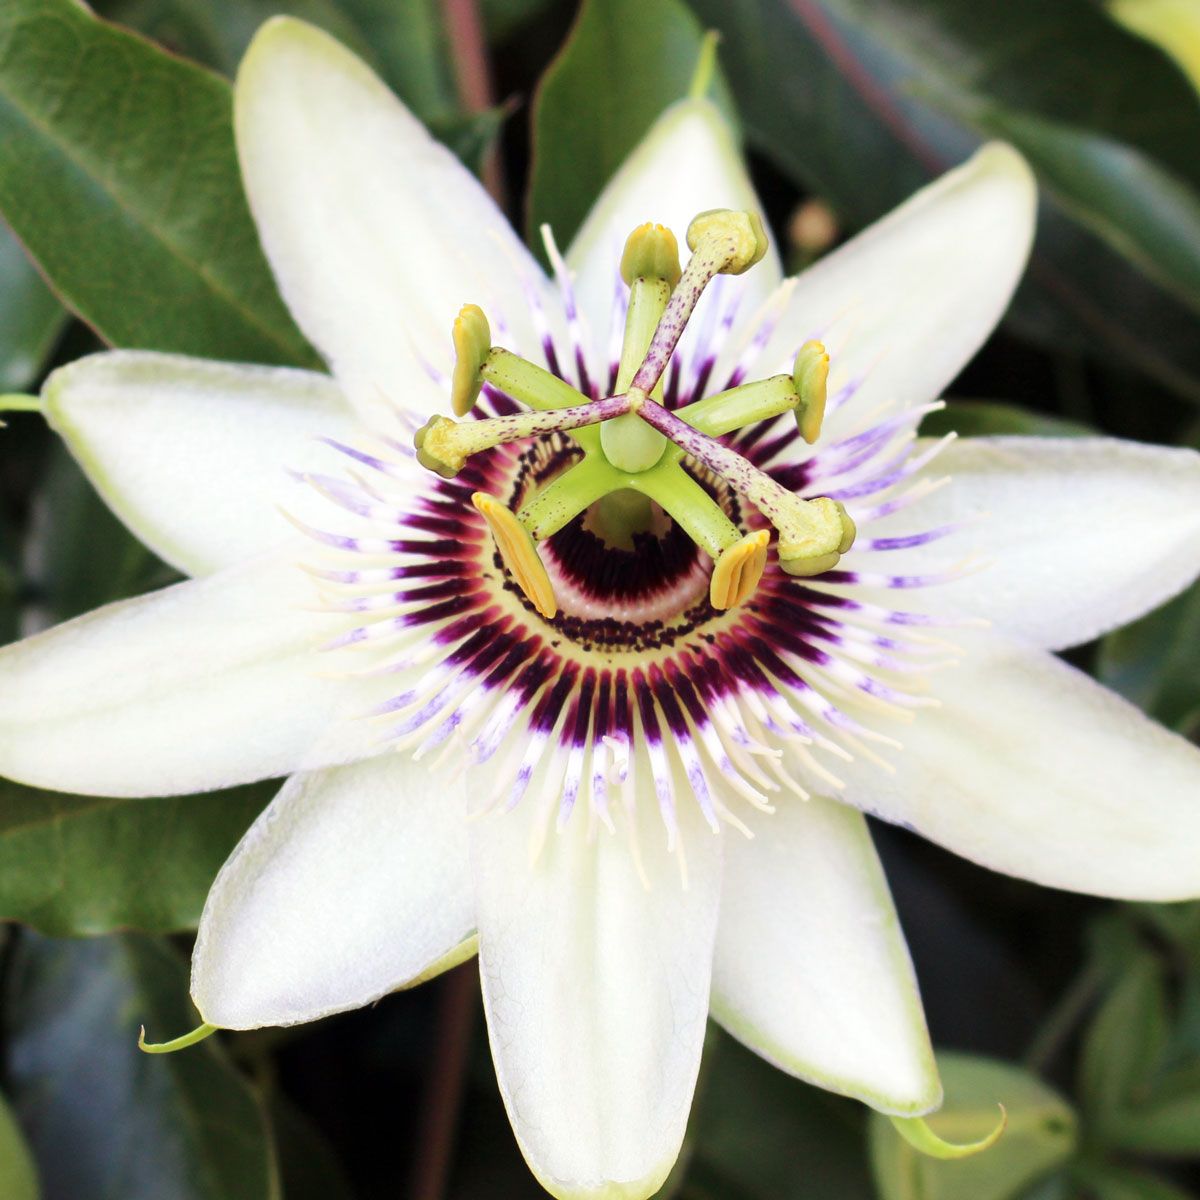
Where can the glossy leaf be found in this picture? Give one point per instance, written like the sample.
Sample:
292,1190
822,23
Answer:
624,62
18,1178
102,1118
118,172
72,865
1040,1135
30,317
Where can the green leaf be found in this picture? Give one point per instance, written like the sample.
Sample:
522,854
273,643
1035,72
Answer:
309,1169
758,1134
1109,1182
1041,1134
866,101
1169,1123
118,173
31,319
1124,1044
77,555
81,865
980,418
18,1179
1155,662
1140,209
105,1120
624,62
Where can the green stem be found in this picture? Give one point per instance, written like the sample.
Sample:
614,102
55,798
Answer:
180,1043
689,505
17,402
566,497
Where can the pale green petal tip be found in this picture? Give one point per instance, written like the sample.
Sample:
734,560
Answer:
180,1043
917,1133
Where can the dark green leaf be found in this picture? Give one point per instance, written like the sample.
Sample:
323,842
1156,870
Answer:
18,1179
1169,1123
78,556
1155,662
1124,1044
30,317
1110,1182
1139,208
625,61
105,1120
72,865
756,1133
978,418
865,104
308,1168
118,172
1040,1135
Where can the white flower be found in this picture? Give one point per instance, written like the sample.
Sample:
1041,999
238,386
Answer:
639,715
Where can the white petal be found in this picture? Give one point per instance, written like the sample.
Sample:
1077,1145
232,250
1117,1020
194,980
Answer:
596,993
194,456
354,882
688,163
376,233
202,685
1031,768
1079,535
811,970
905,304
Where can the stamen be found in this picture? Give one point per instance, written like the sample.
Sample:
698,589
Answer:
811,376
472,341
519,553
738,571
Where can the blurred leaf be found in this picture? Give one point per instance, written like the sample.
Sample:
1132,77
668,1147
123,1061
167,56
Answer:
78,555
105,1120
30,317
1155,662
505,17
18,1179
217,32
1109,1182
864,105
309,1170
758,1134
118,172
624,62
473,135
1172,25
1141,210
1040,1135
1168,1123
1124,1044
979,418
76,865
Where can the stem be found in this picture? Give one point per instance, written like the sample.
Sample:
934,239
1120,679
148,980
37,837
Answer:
566,497
446,1085
18,402
740,406
1064,1017
706,66
473,436
689,506
473,77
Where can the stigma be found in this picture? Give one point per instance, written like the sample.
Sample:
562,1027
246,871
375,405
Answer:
631,443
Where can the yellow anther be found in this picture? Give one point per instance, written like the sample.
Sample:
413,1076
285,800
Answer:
519,553
744,228
435,447
738,571
811,376
815,537
651,252
472,341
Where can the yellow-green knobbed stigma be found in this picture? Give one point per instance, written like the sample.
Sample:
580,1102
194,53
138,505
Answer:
632,445
810,374
917,1133
472,341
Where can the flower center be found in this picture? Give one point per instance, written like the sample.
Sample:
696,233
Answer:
583,595
632,445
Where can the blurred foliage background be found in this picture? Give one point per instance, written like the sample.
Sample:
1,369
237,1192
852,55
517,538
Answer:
1082,1016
